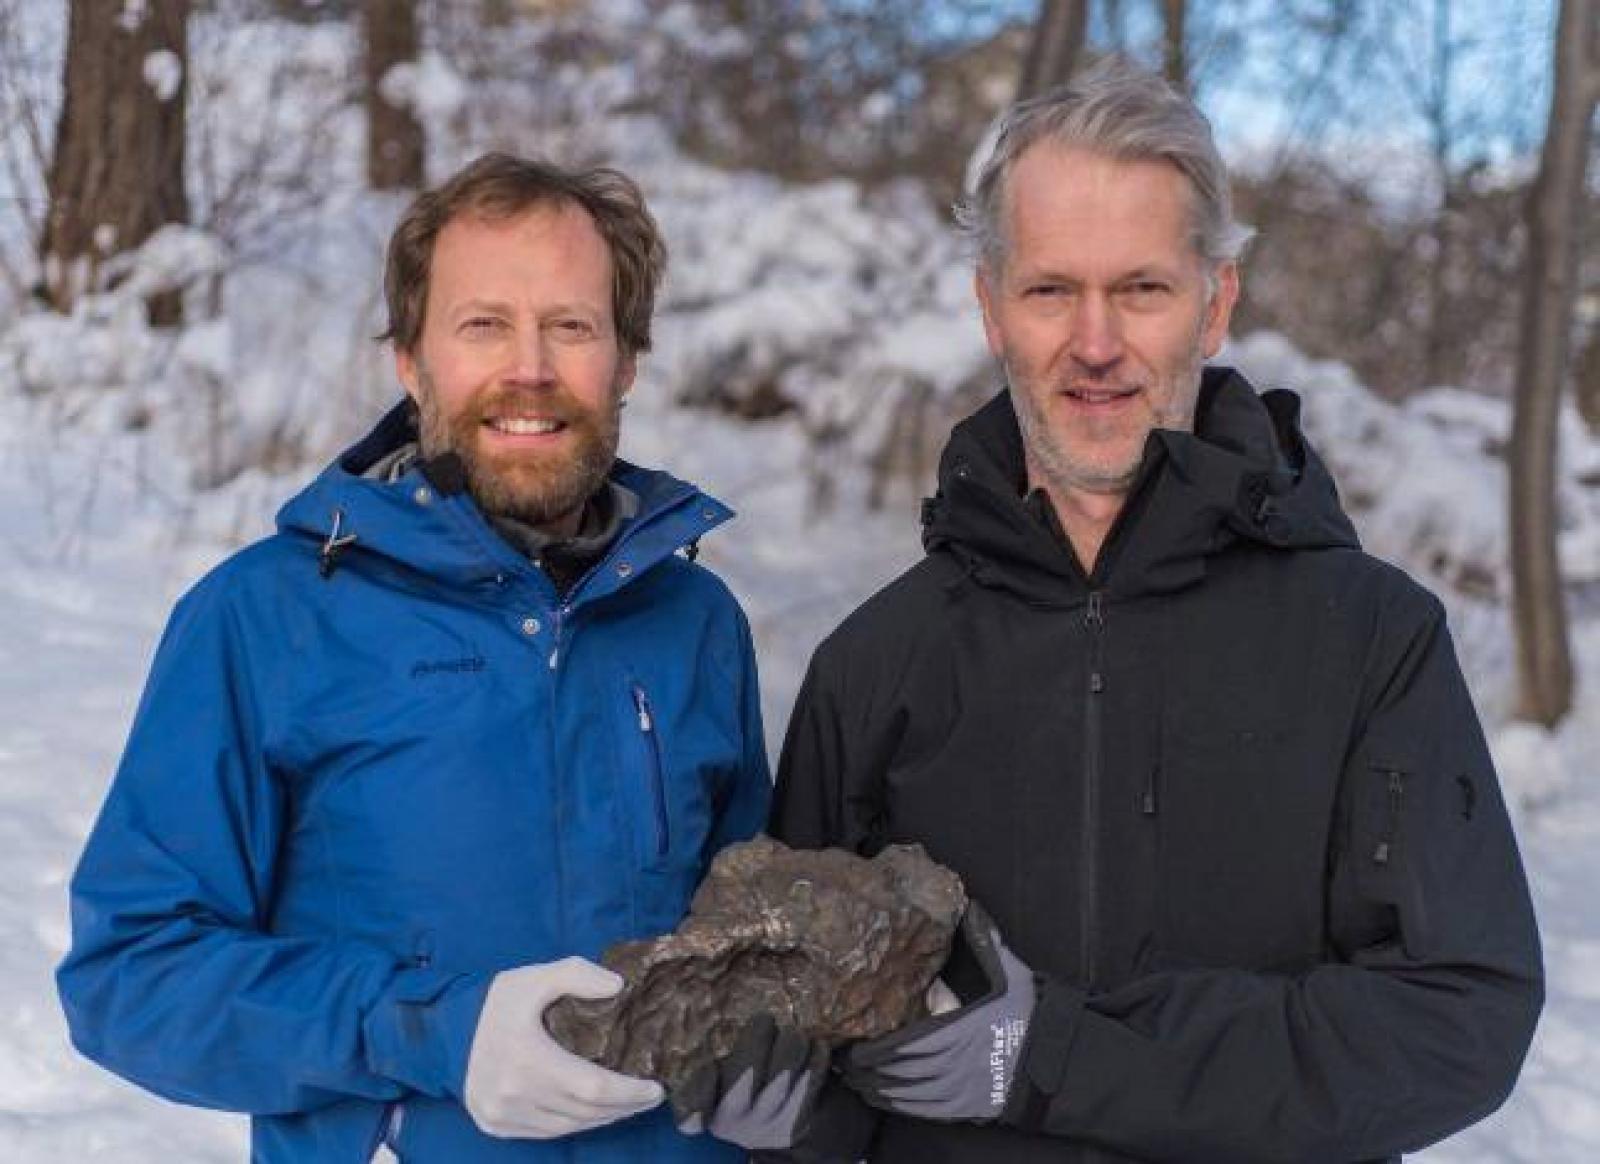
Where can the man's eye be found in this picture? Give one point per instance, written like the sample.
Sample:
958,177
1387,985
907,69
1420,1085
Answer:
481,324
1045,290
575,328
1145,288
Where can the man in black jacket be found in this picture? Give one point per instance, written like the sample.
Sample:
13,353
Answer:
1211,770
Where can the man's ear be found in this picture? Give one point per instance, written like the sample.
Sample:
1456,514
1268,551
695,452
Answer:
405,368
1220,308
991,330
627,369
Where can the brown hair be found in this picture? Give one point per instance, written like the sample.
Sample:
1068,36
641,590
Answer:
498,186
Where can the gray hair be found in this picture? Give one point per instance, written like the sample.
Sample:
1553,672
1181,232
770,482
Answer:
1122,111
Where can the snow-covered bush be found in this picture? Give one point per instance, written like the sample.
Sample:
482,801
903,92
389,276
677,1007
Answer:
1426,479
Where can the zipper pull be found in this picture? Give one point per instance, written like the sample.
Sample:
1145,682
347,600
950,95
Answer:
1397,788
1147,803
562,613
1094,618
645,725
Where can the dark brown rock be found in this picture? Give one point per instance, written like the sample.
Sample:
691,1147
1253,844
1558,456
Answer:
827,943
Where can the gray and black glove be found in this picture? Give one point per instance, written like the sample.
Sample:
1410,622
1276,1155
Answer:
959,1065
760,1094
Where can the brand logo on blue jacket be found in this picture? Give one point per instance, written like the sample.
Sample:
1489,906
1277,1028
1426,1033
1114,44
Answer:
426,667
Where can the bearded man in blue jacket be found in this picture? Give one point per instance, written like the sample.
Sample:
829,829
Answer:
403,769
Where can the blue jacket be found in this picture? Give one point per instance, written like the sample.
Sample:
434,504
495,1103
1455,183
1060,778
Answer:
352,795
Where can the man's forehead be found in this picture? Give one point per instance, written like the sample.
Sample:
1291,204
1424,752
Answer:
555,219
1067,196
557,241
1055,172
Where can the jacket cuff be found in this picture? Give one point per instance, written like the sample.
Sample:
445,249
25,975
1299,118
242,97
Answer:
420,1032
1042,1066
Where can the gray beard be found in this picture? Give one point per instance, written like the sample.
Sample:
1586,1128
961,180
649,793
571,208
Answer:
1057,466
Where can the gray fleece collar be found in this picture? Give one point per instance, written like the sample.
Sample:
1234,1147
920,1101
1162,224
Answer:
603,514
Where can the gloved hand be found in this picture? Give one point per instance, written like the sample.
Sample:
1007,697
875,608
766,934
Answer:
958,1065
761,1093
521,1082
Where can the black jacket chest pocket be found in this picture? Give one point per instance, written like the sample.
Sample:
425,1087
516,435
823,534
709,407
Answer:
1241,850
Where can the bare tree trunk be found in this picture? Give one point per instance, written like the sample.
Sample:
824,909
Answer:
1588,380
1058,40
1544,661
117,171
1175,60
394,135
1441,134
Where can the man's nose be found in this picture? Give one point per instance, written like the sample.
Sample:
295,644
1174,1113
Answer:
1096,333
530,358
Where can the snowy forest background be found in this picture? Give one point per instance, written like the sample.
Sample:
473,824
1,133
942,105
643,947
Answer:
173,369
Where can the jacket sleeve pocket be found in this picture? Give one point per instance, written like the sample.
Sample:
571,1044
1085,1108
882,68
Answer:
1389,835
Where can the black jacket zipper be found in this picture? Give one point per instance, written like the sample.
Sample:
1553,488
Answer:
1396,792
1094,620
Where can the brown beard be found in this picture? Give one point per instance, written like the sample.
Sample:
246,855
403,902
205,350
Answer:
537,490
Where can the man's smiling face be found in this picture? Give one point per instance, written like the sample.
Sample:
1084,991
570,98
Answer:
518,369
1101,312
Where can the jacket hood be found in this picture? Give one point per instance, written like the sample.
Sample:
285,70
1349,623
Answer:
1245,473
424,520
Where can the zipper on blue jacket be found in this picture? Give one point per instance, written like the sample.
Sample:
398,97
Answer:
1094,620
387,1135
652,747
559,620
1395,793
666,506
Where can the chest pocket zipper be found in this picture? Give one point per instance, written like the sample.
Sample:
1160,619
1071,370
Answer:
653,773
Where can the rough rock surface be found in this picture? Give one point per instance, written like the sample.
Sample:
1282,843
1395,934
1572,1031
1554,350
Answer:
825,942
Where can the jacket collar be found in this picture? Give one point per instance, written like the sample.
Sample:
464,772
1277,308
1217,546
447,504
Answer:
424,521
1246,472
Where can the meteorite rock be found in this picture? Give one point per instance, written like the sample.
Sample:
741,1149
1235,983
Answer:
827,943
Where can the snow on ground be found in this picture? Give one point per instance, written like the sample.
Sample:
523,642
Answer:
77,626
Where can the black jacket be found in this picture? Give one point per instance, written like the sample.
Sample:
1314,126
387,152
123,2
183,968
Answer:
1228,797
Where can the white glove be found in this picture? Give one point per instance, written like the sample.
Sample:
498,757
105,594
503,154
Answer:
521,1082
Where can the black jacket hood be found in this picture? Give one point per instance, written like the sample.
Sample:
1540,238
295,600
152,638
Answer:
1246,472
